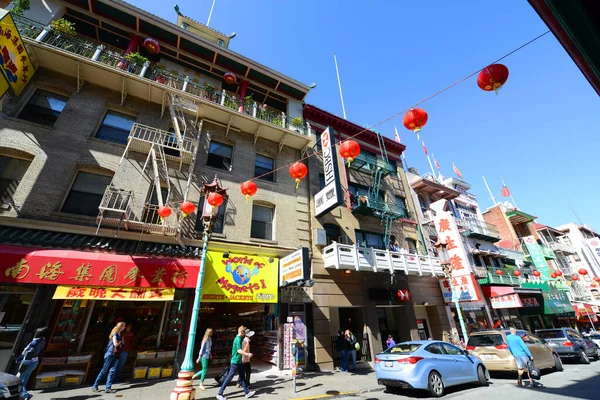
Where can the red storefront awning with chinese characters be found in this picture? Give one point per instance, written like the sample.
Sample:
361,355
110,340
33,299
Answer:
585,312
80,268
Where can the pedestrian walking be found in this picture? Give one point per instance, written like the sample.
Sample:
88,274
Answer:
521,353
203,356
237,366
30,358
111,358
128,338
340,348
351,345
245,359
390,342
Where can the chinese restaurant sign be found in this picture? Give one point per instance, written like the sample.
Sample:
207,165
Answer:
449,234
240,279
535,251
594,244
66,267
507,301
530,302
15,64
464,286
113,293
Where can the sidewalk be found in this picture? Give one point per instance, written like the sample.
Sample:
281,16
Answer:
313,386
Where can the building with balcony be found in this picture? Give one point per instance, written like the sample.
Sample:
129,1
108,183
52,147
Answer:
369,247
97,142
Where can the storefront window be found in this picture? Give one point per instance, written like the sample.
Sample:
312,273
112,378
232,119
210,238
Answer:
14,304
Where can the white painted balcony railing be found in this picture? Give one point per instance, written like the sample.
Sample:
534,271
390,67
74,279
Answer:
342,256
565,248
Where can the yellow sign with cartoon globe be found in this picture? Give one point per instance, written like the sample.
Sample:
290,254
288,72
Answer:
240,278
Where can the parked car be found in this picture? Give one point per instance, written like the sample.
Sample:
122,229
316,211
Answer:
10,386
492,348
568,343
594,337
429,365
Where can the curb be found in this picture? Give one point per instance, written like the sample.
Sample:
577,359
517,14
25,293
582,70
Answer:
340,395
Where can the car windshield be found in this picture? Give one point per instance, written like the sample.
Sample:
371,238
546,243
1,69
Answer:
557,334
595,336
403,348
485,340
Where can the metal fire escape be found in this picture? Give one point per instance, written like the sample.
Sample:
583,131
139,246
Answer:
119,206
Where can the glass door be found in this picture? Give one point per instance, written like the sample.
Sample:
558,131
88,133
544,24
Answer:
14,305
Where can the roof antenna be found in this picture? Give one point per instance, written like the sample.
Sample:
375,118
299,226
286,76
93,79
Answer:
211,10
177,10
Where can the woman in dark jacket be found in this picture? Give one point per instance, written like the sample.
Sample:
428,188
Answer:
30,359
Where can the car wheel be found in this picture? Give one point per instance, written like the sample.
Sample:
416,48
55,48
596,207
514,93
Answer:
557,363
583,358
482,377
435,384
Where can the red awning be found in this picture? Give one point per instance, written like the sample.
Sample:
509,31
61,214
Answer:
497,291
80,268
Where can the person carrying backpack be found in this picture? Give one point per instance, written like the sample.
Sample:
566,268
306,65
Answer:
30,358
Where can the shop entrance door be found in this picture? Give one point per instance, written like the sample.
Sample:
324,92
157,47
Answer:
14,306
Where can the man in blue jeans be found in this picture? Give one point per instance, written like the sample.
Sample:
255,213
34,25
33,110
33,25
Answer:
521,353
237,366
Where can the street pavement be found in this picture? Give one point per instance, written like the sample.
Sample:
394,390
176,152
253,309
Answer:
576,382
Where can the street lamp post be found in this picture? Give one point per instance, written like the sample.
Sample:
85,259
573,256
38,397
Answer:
184,389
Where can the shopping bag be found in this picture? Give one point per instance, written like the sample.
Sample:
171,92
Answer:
221,377
534,371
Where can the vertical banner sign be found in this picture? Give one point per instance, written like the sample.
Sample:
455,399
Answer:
535,251
448,233
15,64
330,196
594,244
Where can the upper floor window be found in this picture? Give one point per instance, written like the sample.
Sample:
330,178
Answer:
221,42
369,239
12,171
412,245
219,156
219,223
263,165
262,222
115,127
86,194
332,233
185,26
401,206
44,107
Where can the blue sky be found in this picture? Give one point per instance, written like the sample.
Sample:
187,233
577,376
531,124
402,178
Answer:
541,133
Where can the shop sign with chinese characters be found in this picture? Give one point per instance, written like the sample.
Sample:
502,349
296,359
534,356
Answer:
594,244
449,235
529,302
240,278
535,251
465,288
15,63
63,267
113,293
507,301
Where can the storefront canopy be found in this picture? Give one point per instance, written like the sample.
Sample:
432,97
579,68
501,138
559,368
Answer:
556,302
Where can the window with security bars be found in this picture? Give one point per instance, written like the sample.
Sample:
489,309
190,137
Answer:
262,222
12,171
86,194
44,107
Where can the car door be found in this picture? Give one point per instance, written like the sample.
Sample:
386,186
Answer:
576,338
442,363
544,354
465,369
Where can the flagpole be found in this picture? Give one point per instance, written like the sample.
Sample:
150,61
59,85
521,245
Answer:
489,191
431,165
436,164
211,10
511,196
337,71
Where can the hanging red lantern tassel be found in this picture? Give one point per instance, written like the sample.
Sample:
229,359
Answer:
214,199
230,78
414,120
298,171
163,212
349,149
492,77
187,207
248,189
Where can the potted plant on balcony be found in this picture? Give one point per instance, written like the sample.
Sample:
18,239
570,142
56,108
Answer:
209,91
19,6
298,124
135,62
64,28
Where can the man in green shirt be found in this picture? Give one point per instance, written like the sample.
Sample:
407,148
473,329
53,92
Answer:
237,366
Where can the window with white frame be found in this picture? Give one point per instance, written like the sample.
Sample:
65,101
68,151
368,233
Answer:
262,222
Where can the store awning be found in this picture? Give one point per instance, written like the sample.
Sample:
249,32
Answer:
496,291
557,303
585,311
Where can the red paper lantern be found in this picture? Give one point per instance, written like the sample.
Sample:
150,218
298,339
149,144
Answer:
575,278
597,279
298,171
164,212
230,78
499,272
517,273
593,285
492,77
536,273
553,276
415,119
187,207
248,189
349,149
583,271
559,273
151,46
214,199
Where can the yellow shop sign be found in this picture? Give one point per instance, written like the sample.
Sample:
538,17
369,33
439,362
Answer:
15,64
240,279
